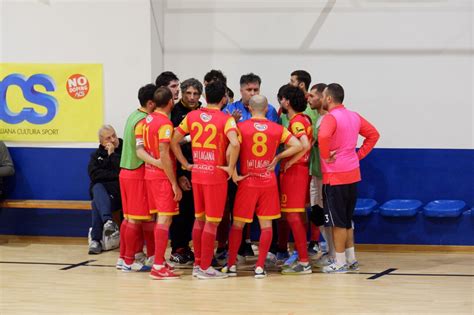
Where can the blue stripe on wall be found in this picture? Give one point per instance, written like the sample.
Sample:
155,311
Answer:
424,174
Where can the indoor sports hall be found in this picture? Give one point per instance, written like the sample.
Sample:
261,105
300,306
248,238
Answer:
67,68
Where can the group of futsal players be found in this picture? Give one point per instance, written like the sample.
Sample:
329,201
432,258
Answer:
280,164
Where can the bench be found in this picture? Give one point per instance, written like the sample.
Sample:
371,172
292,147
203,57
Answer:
47,204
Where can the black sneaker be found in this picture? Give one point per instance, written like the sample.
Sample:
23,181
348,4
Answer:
189,254
179,257
259,273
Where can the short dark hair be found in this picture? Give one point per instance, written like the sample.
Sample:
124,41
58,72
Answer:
162,96
337,92
215,75
250,78
215,91
165,78
302,76
319,87
280,90
145,94
295,96
230,93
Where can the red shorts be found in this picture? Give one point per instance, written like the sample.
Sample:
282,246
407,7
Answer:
209,200
294,186
133,191
262,200
160,197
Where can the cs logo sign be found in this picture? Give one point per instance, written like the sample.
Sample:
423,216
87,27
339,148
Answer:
27,87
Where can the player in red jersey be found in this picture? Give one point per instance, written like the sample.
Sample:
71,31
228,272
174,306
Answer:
162,187
212,131
294,176
257,187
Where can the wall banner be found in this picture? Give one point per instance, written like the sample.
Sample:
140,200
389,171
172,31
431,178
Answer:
50,102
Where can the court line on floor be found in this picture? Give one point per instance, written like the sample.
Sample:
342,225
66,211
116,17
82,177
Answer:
374,275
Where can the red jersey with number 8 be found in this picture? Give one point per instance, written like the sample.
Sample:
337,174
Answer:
260,139
208,128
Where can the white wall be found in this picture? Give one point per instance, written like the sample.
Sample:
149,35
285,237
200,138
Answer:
406,66
115,33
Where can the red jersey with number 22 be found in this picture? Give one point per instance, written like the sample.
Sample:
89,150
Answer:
208,128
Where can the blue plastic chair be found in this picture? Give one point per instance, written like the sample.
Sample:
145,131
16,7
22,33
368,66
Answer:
400,208
364,207
444,208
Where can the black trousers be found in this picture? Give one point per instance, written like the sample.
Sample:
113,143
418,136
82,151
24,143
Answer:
182,226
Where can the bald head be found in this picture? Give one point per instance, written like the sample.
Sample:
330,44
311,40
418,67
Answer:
259,104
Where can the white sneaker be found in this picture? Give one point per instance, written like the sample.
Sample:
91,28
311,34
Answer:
260,273
195,271
135,267
323,261
335,268
89,237
140,257
210,273
119,264
111,241
150,261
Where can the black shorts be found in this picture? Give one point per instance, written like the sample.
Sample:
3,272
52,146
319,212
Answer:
317,215
339,204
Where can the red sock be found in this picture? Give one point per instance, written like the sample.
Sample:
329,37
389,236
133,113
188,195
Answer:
283,235
149,237
123,227
235,238
299,234
133,233
315,233
266,235
161,242
207,242
140,243
197,234
223,230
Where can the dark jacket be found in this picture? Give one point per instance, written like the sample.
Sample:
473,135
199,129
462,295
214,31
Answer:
177,115
105,169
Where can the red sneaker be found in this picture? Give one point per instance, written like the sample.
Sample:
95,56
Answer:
163,274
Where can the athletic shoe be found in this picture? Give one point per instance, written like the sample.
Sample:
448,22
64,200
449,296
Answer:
353,266
271,260
111,241
89,237
195,271
140,257
221,256
119,263
230,271
189,254
95,248
135,267
210,273
291,260
313,248
282,257
297,269
335,268
150,261
259,273
110,227
180,257
163,274
324,261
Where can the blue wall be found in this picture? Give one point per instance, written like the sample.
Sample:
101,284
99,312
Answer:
424,174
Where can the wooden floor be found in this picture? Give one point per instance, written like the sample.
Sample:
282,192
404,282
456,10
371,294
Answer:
32,281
